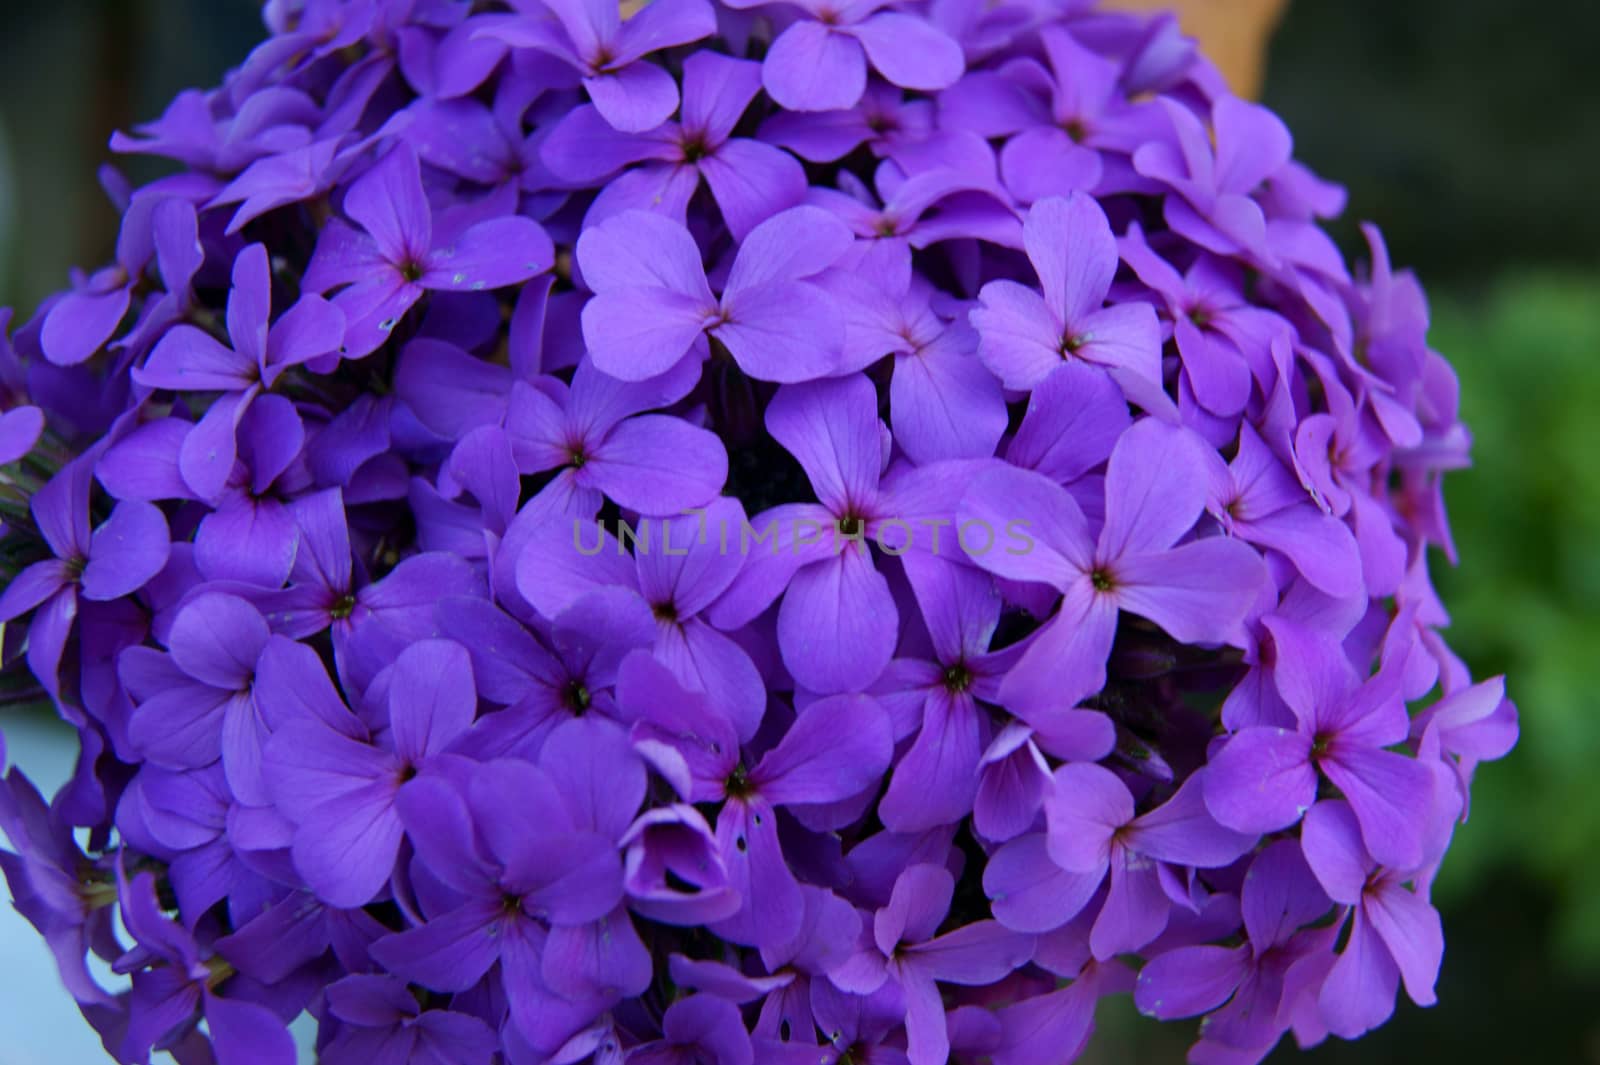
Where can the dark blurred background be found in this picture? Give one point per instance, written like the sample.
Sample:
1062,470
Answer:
1470,130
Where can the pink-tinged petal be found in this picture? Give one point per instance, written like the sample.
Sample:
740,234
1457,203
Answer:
656,464
910,51
1029,892
1018,340
752,182
1331,839
1358,994
1391,795
836,748
1023,526
1070,244
636,98
1411,929
1066,659
1189,981
431,697
190,360
1199,592
492,254
450,952
812,68
936,780
1262,780
125,552
832,428
838,623
1135,910
1086,808
1155,489
1182,831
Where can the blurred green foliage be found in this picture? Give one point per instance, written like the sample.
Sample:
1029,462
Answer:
1526,597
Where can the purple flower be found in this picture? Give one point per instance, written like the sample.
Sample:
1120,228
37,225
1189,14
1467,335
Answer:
594,435
190,360
1266,777
751,181
116,559
385,266
1395,933
520,874
902,946
833,751
340,788
777,325
1154,491
441,689
832,623
1242,988
607,50
1213,207
1023,334
383,1025
819,63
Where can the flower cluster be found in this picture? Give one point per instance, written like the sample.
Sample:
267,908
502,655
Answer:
729,533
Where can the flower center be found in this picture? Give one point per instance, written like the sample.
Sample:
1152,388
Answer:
958,678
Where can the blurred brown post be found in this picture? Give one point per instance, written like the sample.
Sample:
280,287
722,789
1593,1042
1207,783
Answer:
1233,33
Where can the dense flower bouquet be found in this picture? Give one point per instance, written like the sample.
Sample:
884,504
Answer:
731,533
